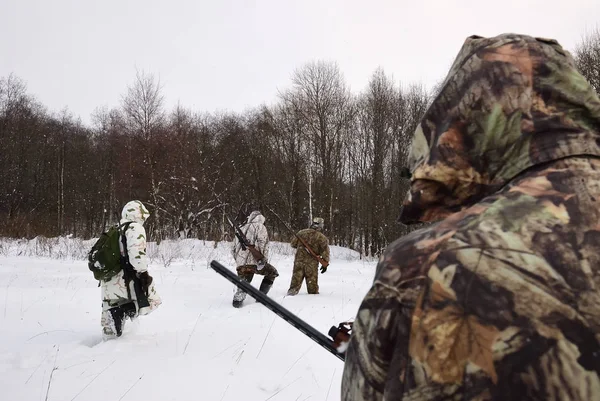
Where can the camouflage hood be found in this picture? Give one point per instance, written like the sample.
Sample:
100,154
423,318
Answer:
134,211
256,217
509,103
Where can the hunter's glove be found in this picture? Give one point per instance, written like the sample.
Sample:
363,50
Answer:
324,269
260,264
145,281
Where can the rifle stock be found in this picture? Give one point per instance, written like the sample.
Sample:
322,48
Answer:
256,254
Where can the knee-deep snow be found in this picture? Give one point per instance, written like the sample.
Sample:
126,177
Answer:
196,346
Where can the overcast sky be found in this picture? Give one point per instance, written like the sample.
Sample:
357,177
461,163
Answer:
235,54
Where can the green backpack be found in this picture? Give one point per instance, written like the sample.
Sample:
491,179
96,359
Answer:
104,259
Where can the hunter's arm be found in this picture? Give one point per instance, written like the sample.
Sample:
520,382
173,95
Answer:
294,242
324,245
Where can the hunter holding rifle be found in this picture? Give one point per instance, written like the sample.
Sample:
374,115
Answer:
251,251
312,248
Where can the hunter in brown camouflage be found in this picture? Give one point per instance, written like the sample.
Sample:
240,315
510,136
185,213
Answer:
499,299
305,265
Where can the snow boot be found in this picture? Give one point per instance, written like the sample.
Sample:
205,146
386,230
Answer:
240,295
108,334
265,286
238,298
118,317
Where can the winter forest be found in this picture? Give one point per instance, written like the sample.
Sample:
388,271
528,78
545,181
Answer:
318,150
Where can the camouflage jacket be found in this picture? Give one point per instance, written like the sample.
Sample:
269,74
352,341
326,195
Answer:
316,240
499,299
256,233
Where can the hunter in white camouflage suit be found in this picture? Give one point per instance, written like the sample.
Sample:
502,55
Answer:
131,292
255,231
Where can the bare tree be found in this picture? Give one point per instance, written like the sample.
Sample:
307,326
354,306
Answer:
61,144
587,58
371,156
323,104
23,172
188,179
143,108
288,145
143,105
110,144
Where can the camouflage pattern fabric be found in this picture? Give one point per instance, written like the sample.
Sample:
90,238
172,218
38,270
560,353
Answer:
303,271
257,234
500,299
248,272
305,266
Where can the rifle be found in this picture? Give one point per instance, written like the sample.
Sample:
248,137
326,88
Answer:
256,254
308,249
340,334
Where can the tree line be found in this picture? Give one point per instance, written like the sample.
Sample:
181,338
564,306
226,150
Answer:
320,150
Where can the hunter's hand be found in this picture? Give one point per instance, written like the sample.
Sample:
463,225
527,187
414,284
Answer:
260,264
145,281
324,269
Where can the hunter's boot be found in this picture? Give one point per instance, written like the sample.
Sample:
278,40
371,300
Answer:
265,285
118,316
238,298
240,295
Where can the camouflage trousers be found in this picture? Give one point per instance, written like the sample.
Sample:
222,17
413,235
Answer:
308,272
247,272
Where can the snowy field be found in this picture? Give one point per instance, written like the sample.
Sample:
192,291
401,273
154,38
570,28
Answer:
196,346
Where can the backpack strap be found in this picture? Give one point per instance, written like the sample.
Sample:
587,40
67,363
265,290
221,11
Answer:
123,242
124,256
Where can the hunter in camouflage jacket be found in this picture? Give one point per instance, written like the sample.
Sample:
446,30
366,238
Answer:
306,267
499,299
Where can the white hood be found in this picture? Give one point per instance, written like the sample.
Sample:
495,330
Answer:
256,218
134,211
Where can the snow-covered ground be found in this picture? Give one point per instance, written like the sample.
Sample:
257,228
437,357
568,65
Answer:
196,346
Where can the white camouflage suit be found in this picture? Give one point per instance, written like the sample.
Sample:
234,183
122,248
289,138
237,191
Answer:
247,266
256,232
114,291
